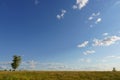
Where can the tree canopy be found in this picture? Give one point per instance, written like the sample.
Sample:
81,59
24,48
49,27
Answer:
16,62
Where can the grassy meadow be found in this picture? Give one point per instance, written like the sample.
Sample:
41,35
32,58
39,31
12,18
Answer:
58,75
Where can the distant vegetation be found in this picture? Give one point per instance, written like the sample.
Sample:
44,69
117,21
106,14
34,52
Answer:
70,75
55,75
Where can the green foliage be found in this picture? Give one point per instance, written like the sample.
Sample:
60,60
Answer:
16,62
58,75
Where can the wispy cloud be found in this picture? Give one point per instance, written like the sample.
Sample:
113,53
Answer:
5,63
80,4
89,52
60,16
98,20
32,64
105,34
3,67
84,44
107,41
115,57
85,60
109,58
36,2
94,18
28,65
117,3
57,66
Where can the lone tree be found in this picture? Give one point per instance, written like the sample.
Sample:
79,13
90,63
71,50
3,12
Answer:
16,62
114,70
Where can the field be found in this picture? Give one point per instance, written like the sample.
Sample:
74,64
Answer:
58,75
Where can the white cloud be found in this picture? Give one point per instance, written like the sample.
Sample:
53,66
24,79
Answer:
44,66
75,7
3,67
85,60
5,63
32,64
57,66
93,16
97,14
84,44
105,34
35,65
88,52
110,58
60,16
80,4
115,57
98,20
90,18
107,41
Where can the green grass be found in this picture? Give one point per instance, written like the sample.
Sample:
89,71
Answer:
58,75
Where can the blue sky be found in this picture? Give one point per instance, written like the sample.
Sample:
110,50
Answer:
60,35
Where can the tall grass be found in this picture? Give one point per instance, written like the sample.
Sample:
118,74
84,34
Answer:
58,75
